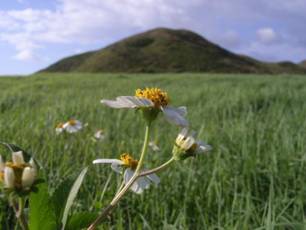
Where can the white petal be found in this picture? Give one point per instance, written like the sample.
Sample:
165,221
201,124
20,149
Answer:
116,167
107,161
28,177
174,115
181,136
182,110
9,177
136,101
128,173
17,157
202,147
143,183
188,143
59,130
154,178
127,102
33,165
71,129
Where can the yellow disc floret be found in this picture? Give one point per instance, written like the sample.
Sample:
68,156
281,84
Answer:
128,161
72,122
60,125
156,95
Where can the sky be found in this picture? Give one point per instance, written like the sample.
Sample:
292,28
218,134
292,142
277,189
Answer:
37,33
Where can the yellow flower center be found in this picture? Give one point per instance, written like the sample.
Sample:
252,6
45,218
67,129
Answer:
72,122
60,126
128,161
1,176
156,95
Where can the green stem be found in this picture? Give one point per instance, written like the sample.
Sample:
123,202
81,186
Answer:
120,194
20,214
157,169
120,188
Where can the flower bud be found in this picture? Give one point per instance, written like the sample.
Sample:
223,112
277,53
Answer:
187,146
28,177
17,158
9,177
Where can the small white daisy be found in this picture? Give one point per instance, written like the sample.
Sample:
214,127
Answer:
153,99
100,135
73,126
130,164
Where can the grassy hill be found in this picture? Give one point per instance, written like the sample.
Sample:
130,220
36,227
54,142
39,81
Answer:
254,178
167,50
303,63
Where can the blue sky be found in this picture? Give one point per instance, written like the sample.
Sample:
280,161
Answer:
36,33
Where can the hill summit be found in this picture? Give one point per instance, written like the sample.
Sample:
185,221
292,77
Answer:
167,50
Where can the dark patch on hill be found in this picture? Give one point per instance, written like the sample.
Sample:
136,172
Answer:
167,50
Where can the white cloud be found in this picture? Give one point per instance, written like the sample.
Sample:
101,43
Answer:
266,35
86,21
95,21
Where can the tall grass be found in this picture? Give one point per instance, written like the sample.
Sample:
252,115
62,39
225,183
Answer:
253,179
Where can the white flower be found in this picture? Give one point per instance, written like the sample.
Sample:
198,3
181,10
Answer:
186,145
151,98
130,164
73,126
153,146
99,135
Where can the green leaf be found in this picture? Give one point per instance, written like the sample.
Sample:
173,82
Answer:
59,198
80,220
42,211
72,195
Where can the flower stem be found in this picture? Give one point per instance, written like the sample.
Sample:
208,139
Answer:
157,169
20,214
120,194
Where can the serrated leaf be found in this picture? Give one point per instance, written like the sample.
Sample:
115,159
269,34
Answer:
80,220
42,211
72,195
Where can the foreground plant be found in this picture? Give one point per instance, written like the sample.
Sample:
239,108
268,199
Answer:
151,102
34,206
17,179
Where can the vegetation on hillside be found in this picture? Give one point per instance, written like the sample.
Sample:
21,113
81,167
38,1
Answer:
165,50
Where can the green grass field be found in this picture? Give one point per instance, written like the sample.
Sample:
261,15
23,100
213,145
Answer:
253,179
